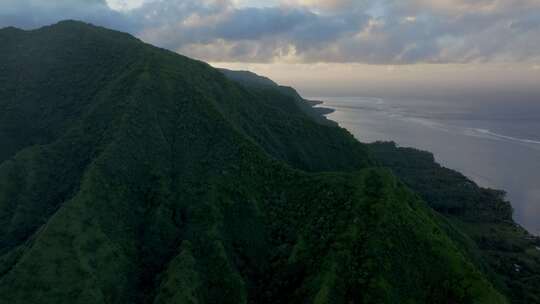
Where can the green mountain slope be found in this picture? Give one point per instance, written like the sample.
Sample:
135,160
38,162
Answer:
265,87
131,174
479,219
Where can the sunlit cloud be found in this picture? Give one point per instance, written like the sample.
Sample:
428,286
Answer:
386,32
124,5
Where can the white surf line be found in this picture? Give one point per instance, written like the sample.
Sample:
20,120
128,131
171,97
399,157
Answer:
522,140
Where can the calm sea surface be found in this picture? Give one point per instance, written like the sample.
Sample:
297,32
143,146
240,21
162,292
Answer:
494,143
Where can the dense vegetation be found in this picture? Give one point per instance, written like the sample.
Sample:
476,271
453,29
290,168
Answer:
130,174
480,219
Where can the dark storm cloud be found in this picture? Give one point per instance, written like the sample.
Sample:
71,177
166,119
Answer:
381,32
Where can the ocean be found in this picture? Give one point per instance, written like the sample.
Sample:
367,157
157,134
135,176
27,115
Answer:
496,144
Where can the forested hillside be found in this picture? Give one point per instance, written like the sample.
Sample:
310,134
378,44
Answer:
131,174
480,219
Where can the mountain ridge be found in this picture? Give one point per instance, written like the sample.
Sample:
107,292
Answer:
155,179
480,219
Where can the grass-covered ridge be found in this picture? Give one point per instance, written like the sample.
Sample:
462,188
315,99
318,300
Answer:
131,174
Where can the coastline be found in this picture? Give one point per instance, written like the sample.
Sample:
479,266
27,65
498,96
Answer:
321,110
318,103
485,227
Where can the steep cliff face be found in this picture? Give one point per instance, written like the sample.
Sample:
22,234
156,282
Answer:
131,174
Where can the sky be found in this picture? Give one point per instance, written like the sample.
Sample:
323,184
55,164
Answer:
331,47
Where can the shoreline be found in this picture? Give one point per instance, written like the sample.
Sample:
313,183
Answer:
321,110
317,104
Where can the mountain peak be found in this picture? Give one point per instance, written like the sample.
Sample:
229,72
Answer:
75,28
11,29
73,24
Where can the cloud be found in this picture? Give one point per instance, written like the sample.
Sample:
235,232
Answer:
35,13
375,32
328,5
124,5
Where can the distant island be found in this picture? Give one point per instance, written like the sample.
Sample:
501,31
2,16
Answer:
132,174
